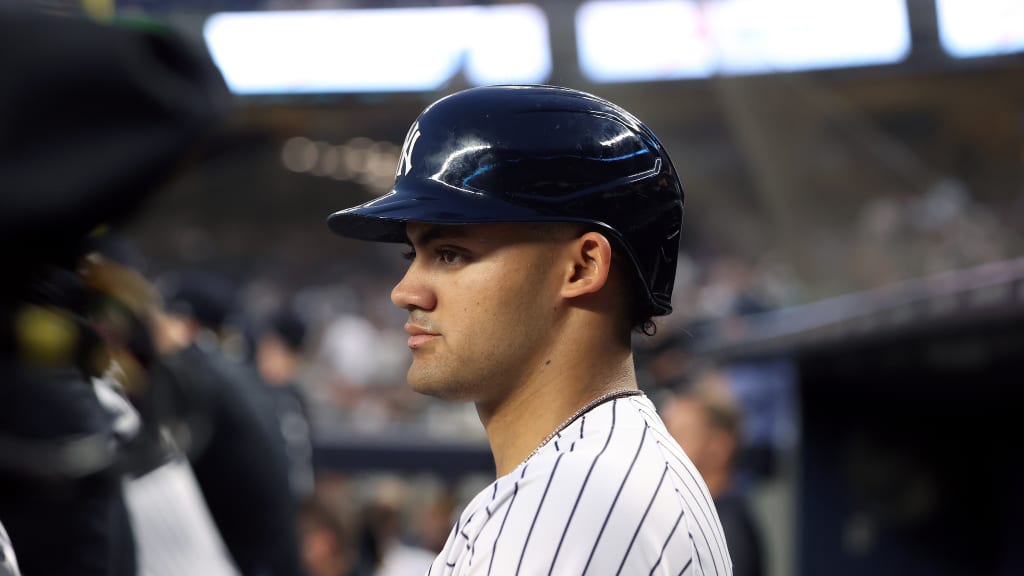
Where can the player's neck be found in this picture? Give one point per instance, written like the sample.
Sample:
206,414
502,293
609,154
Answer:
521,421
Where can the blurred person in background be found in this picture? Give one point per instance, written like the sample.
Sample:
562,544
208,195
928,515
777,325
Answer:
93,118
435,520
280,349
544,229
173,528
385,548
240,460
328,540
704,417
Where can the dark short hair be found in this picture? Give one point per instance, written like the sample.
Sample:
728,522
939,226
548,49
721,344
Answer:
289,327
206,297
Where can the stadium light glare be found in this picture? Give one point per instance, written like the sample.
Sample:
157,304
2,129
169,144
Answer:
692,39
971,29
379,50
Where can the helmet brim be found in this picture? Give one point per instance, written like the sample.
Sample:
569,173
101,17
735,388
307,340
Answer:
383,219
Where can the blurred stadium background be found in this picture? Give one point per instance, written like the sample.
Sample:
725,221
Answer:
851,253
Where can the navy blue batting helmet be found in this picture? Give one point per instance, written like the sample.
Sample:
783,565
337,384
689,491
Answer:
536,154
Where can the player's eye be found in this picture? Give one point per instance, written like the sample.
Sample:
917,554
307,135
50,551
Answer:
409,255
448,256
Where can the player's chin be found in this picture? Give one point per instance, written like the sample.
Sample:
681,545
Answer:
421,380
430,383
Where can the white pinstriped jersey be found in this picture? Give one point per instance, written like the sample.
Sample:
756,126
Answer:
174,532
8,563
613,493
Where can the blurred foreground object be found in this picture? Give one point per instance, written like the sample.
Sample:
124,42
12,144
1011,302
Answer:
93,118
8,563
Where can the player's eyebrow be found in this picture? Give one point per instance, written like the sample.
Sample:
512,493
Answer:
437,232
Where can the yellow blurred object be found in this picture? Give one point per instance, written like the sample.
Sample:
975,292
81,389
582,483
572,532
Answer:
45,336
99,10
122,283
101,230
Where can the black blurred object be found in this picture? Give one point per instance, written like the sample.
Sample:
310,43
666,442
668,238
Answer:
117,248
290,328
92,118
207,298
69,518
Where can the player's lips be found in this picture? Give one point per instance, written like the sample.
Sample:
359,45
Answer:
418,336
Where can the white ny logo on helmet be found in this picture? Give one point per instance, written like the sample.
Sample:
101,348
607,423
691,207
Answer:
405,162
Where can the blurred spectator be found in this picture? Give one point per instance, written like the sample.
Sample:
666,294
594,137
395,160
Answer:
279,358
348,345
173,529
366,368
241,463
938,230
385,551
434,522
705,419
206,304
328,547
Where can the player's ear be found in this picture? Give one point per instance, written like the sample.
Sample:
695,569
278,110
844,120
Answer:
590,260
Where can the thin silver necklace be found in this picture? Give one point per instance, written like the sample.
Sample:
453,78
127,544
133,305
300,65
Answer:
614,394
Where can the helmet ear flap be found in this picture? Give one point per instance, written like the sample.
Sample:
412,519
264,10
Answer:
536,154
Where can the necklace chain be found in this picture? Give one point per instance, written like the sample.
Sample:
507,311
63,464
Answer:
614,394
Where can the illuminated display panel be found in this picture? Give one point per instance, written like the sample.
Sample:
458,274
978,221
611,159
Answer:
392,50
972,28
636,41
621,41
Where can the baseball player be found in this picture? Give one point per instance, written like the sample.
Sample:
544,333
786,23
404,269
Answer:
544,226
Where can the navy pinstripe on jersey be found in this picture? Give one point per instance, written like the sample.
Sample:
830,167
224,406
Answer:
611,494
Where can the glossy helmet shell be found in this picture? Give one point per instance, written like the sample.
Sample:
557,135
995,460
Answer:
536,154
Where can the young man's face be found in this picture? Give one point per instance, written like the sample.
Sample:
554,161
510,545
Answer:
482,299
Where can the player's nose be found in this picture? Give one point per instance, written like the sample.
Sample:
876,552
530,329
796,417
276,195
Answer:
412,293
